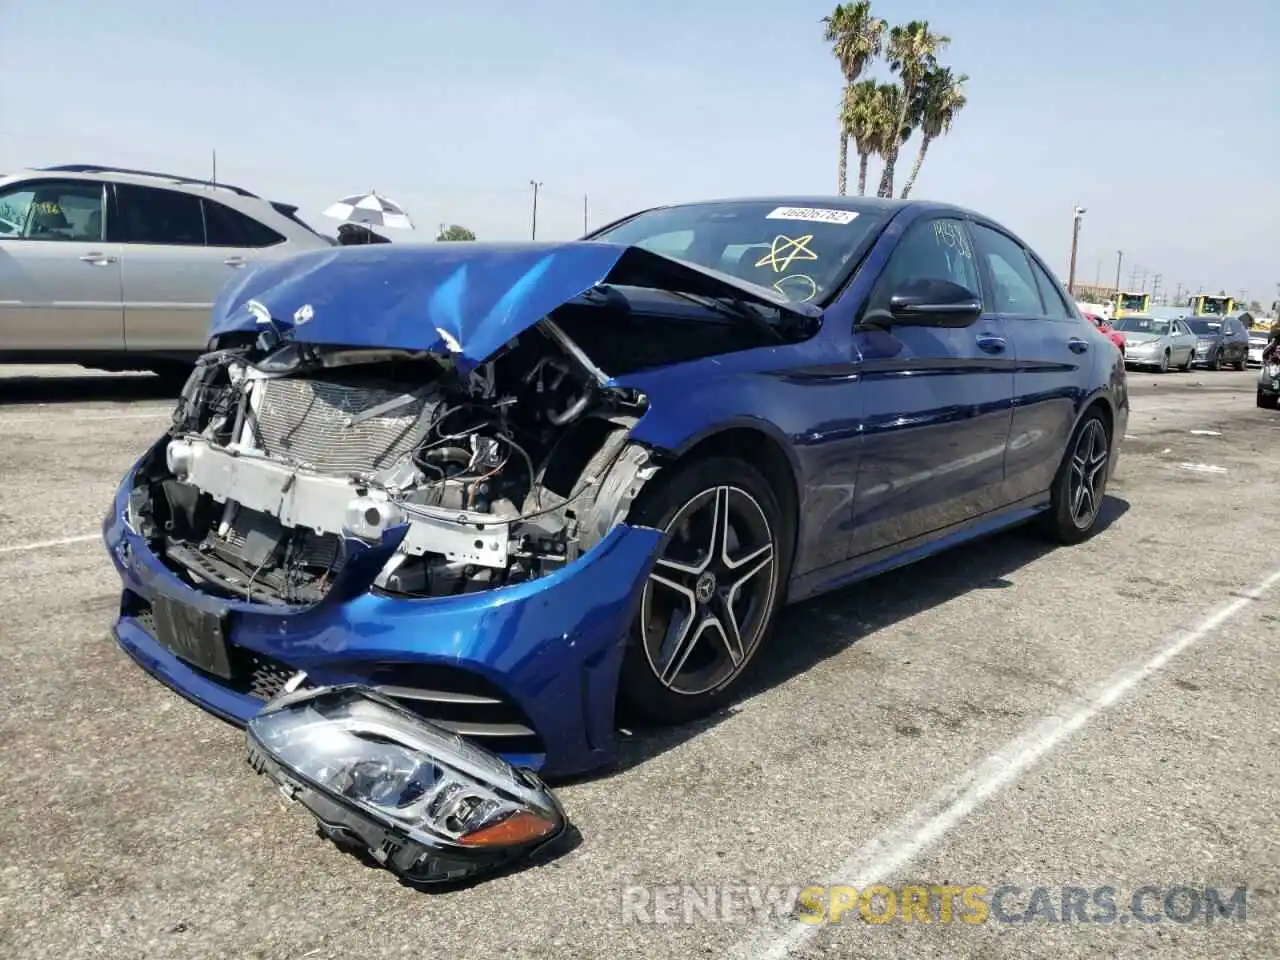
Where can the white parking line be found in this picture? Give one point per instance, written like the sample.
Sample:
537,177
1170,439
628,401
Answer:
42,544
884,855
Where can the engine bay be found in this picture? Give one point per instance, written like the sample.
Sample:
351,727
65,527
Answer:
282,454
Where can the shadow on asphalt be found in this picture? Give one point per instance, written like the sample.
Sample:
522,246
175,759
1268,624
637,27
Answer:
24,389
823,627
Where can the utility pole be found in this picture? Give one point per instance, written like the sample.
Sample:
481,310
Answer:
1155,286
1133,278
1177,297
535,184
1076,216
1119,260
1097,277
584,215
214,178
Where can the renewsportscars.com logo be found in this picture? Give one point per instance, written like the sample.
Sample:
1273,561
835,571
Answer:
934,904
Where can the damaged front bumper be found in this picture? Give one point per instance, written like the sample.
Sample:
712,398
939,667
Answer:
528,671
425,803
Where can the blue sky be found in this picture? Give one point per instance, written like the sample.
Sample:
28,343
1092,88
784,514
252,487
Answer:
1162,119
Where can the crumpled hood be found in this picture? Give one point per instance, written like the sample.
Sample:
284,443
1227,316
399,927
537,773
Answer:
464,299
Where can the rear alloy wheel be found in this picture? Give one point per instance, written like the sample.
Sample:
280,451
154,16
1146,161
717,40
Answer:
712,593
1078,489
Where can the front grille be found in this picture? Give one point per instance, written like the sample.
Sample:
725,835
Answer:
308,422
458,700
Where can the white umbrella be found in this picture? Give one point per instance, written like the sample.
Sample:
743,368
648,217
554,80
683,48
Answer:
370,209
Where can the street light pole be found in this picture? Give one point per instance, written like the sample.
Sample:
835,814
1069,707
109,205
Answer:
1119,260
1075,243
535,184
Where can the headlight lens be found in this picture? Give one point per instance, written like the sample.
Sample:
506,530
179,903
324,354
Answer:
426,803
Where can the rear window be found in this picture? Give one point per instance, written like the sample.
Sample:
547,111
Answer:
231,228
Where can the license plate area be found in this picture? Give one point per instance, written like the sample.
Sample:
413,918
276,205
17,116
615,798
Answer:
194,635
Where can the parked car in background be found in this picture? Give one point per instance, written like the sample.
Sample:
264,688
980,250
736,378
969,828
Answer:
1159,342
1106,328
1258,340
1220,341
1269,382
118,269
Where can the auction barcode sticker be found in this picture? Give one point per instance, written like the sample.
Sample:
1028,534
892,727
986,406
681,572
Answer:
814,214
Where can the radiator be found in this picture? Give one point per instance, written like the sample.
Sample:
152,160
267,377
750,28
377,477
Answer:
308,422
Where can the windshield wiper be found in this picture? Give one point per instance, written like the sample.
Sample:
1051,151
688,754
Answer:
735,307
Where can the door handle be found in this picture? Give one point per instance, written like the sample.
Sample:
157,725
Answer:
235,261
1076,345
991,343
98,259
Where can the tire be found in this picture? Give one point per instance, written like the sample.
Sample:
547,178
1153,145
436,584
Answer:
1087,458
1164,362
1215,362
1241,363
1191,357
1268,401
668,680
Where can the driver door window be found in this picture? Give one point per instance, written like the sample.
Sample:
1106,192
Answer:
931,250
67,211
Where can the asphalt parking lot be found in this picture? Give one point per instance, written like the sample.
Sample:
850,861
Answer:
1105,715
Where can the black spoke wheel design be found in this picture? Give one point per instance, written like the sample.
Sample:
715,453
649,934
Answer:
1078,490
712,592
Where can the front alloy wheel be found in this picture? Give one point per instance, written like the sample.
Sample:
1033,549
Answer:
712,592
710,589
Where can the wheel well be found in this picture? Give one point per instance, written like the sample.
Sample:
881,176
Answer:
1108,418
765,454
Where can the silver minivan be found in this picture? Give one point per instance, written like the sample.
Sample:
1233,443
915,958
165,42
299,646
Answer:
118,269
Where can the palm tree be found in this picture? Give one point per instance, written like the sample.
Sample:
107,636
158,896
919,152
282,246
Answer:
865,115
940,98
884,142
856,38
912,51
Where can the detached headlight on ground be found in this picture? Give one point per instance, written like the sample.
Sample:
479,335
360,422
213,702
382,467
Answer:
425,803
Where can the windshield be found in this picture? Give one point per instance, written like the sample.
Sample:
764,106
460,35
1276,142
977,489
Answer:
1205,328
802,253
1143,325
1131,301
1215,306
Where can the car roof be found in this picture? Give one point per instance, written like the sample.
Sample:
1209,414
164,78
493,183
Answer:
277,213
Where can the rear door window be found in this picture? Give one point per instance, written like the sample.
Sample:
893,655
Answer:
1055,308
1013,284
157,216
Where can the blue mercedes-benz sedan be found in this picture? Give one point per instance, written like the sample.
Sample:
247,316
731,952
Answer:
516,488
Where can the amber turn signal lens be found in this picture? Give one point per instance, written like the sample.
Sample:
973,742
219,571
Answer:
519,828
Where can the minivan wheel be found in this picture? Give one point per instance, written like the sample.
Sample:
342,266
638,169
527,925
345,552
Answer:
1081,483
713,591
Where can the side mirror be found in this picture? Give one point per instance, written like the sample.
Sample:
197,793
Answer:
934,303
